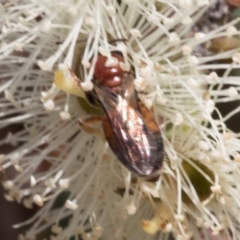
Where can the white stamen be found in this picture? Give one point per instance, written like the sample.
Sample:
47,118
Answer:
50,183
49,105
209,106
174,70
63,67
18,168
65,116
159,67
44,96
140,84
173,38
87,86
236,58
237,158
192,60
11,139
72,11
222,200
186,50
216,189
178,119
32,181
125,173
192,83
202,3
14,158
168,21
5,29
64,183
45,66
199,222
217,155
135,32
86,63
71,205
45,25
204,159
187,21
161,100
111,62
89,21
203,145
122,47
10,98
22,20
37,199
231,30
228,135
185,3
8,185
232,93
199,35
131,209
18,47
102,51
168,227
179,217
146,71
153,18
147,100
212,78
125,66
28,203
149,188
131,1
9,198
3,45
111,10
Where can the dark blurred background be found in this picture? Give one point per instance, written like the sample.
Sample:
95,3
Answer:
11,212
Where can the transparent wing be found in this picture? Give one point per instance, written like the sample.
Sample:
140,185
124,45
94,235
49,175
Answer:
128,131
109,99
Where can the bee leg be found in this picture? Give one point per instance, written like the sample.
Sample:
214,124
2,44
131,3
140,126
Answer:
148,118
87,124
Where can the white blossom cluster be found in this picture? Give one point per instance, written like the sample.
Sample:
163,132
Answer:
72,175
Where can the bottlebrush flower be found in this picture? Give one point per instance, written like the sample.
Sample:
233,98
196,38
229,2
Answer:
72,175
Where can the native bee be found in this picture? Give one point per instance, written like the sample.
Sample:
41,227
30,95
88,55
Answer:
129,127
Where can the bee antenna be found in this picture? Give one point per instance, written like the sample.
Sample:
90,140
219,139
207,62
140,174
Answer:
118,40
78,41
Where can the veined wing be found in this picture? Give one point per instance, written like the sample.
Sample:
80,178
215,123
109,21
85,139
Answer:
136,144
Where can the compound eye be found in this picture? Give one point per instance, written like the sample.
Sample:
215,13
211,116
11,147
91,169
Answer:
102,73
100,68
113,81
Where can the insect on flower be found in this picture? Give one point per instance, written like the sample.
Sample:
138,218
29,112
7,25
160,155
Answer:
129,127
